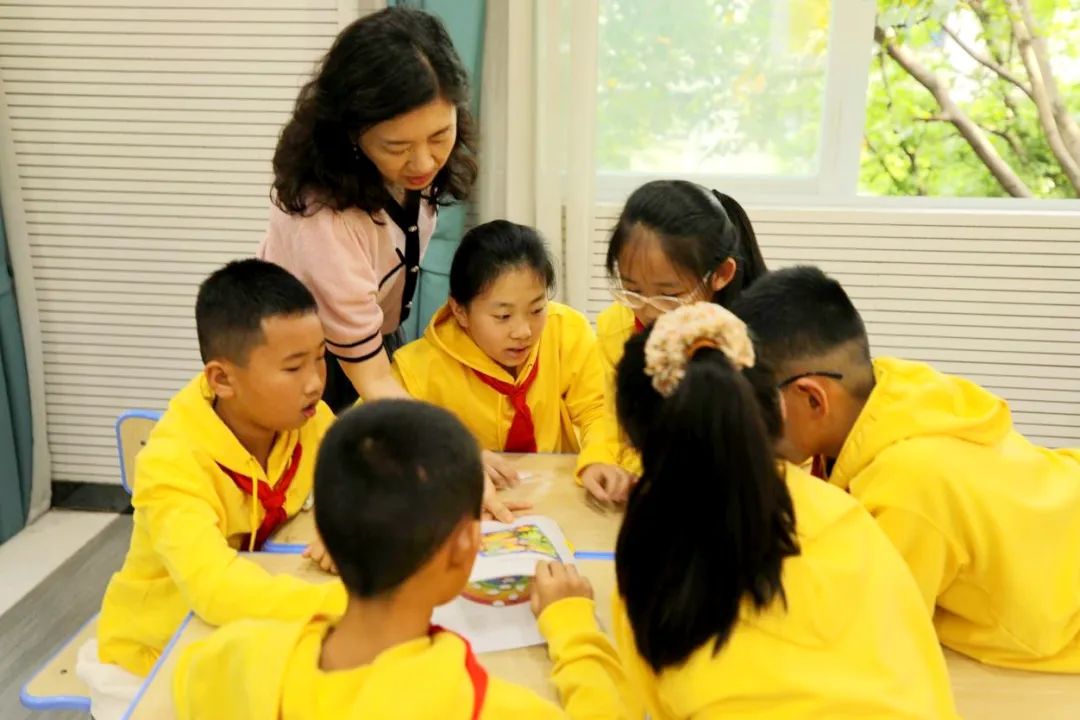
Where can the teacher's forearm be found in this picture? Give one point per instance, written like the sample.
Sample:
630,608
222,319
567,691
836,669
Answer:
373,379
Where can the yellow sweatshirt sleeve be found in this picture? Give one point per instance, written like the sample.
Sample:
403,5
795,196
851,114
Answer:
203,671
395,370
629,459
178,509
924,548
184,697
408,368
235,672
507,700
585,397
586,668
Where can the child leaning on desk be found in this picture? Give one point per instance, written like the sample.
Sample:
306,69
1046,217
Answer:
780,598
231,459
401,521
987,521
522,372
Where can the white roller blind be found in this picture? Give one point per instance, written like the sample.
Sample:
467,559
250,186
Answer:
990,295
143,136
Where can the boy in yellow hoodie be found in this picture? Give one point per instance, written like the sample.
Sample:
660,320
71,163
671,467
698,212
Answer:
988,522
522,372
231,459
400,519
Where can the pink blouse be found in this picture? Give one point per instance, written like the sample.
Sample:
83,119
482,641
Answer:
355,264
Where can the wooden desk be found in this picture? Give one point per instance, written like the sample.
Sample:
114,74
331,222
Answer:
528,666
551,489
982,692
56,686
989,693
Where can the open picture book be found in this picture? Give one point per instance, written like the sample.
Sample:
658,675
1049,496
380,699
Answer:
493,611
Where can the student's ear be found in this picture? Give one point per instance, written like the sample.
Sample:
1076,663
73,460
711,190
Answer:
460,314
724,274
813,394
219,377
465,543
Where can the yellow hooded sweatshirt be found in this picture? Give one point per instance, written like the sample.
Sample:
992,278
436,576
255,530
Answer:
566,398
614,326
854,640
266,670
988,522
190,520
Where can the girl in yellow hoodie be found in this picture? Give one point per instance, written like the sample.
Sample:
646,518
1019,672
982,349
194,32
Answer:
675,243
401,520
522,372
780,598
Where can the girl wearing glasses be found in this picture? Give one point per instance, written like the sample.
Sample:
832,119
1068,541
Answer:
676,243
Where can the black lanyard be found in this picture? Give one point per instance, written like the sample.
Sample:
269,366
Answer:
408,219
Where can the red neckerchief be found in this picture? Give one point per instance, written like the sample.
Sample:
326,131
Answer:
522,435
477,674
272,499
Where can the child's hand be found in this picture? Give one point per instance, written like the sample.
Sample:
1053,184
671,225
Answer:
609,483
316,553
554,582
494,508
499,470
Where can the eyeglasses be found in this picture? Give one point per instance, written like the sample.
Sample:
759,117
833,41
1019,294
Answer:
812,373
660,303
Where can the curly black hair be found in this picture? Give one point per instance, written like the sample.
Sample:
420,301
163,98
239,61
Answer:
381,66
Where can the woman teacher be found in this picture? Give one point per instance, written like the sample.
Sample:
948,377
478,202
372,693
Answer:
378,140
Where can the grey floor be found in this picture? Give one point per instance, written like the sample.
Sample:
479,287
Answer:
32,630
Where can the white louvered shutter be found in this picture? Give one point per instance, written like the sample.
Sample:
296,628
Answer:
143,137
990,295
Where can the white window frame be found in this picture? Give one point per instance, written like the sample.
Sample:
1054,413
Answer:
850,55
851,24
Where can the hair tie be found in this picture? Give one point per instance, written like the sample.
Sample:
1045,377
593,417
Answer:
701,344
679,334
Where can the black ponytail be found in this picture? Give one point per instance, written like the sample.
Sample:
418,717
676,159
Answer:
751,263
683,575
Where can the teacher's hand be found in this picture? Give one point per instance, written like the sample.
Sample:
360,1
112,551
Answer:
373,379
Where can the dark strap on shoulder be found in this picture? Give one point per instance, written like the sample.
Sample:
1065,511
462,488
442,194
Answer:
408,219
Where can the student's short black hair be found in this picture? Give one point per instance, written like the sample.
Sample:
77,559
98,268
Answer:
392,481
233,302
800,313
491,249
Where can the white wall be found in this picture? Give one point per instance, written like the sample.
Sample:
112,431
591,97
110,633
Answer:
142,135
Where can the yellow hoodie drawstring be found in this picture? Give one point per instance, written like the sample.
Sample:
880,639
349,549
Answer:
254,504
272,499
